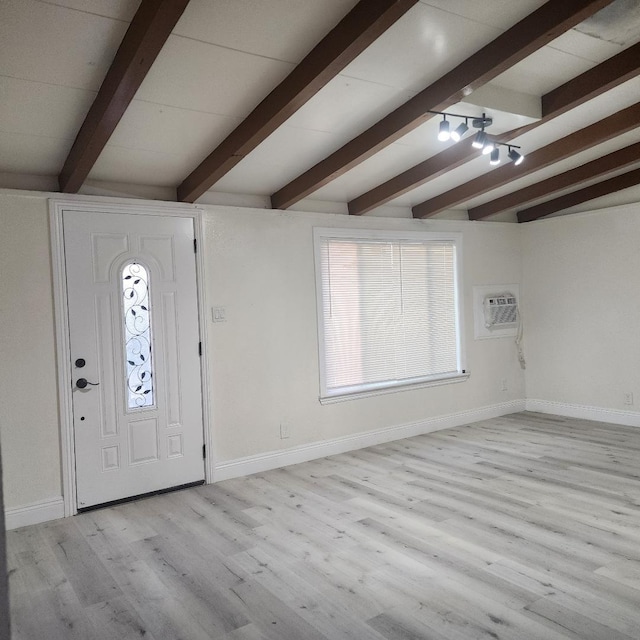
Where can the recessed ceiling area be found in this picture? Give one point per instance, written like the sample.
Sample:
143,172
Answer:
312,106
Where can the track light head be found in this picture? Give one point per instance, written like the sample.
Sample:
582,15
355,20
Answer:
459,131
488,147
515,157
495,156
480,140
444,133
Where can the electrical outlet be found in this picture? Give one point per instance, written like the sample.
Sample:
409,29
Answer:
628,398
285,432
503,384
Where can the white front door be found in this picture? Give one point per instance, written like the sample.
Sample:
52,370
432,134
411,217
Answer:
135,361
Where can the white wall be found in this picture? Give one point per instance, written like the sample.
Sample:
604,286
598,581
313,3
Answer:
581,292
264,360
578,278
28,392
265,356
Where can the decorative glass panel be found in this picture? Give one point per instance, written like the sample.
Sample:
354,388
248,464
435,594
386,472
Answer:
137,336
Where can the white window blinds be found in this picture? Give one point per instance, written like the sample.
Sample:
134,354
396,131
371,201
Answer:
388,312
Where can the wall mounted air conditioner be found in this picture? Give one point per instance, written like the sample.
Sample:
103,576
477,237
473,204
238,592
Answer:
495,310
500,311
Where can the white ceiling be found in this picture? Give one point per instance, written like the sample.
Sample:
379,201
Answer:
225,56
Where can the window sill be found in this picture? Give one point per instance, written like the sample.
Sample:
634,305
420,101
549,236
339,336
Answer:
368,393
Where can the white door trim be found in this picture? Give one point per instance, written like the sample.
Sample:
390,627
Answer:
61,316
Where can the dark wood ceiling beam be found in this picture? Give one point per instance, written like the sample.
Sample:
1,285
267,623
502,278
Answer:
588,85
530,34
620,159
351,36
599,132
623,181
145,37
602,78
429,169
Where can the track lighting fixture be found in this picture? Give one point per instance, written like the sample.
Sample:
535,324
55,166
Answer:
444,133
514,156
481,140
488,147
459,131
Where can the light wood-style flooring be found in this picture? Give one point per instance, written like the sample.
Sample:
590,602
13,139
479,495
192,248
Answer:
526,526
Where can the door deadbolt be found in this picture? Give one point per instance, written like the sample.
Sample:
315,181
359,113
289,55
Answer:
80,362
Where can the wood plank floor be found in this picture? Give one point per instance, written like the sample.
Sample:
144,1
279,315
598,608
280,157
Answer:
522,527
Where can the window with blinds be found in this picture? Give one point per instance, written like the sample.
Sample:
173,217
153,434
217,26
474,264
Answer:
387,309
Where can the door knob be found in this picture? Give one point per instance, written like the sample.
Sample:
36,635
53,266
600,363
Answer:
81,383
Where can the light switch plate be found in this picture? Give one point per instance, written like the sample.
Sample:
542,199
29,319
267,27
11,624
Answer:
218,314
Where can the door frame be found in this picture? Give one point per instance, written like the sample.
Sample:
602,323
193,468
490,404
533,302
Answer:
107,206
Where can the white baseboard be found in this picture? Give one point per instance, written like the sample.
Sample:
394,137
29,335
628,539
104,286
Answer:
53,508
585,412
284,457
35,513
